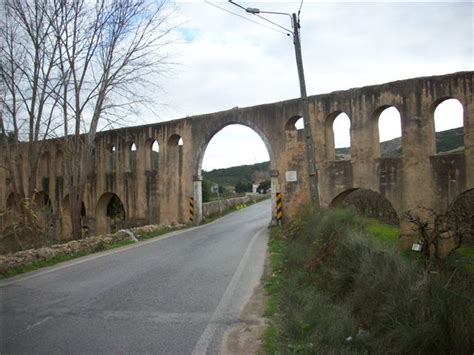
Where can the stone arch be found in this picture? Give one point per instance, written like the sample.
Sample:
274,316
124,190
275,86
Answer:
130,156
205,142
295,123
294,128
42,201
175,140
377,139
460,217
11,203
11,208
108,218
200,157
152,149
368,203
329,133
112,157
434,107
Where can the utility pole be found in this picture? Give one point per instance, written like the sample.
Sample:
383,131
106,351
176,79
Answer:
313,180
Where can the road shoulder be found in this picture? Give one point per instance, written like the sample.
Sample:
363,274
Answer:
246,337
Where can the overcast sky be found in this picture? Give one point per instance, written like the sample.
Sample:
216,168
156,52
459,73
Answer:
226,61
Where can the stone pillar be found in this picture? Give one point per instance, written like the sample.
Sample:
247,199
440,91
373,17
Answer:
140,178
362,147
418,131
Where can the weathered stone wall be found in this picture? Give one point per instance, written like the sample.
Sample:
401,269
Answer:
149,195
217,207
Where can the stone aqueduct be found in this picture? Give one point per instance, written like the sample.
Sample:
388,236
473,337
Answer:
161,195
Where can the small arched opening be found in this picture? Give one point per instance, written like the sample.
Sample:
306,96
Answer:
44,210
338,136
294,128
368,203
12,209
111,157
152,155
448,118
12,202
110,213
175,140
131,157
388,133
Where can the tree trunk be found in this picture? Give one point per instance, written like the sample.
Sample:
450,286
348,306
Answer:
75,215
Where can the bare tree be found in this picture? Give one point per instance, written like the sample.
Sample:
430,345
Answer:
77,65
29,56
434,229
107,48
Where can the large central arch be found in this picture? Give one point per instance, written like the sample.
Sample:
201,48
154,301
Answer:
203,144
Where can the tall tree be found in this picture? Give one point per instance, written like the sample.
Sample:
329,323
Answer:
101,54
29,57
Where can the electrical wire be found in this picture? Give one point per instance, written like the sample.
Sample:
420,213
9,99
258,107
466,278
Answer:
299,10
246,18
274,23
250,20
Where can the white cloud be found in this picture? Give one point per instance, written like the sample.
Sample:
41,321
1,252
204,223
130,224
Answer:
226,61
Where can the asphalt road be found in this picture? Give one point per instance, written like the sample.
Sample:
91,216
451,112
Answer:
174,295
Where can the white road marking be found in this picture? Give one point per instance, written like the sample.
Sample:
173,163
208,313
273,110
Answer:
204,341
38,323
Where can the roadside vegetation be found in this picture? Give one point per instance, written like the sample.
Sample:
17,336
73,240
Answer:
339,286
92,247
39,264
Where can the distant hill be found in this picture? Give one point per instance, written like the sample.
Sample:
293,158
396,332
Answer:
451,141
244,173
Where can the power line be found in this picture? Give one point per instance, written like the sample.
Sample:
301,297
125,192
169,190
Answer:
275,24
299,10
246,18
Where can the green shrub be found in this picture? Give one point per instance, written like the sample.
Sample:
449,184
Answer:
336,279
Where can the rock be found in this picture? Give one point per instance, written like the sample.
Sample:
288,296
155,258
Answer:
126,234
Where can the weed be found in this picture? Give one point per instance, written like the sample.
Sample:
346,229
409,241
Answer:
335,281
270,338
384,232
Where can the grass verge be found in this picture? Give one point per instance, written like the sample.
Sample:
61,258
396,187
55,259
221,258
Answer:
59,259
339,290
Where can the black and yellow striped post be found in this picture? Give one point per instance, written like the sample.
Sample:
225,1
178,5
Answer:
191,209
279,207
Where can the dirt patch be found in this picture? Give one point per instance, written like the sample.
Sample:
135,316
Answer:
246,337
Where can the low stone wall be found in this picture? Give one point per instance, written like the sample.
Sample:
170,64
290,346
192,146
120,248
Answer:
87,245
217,207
